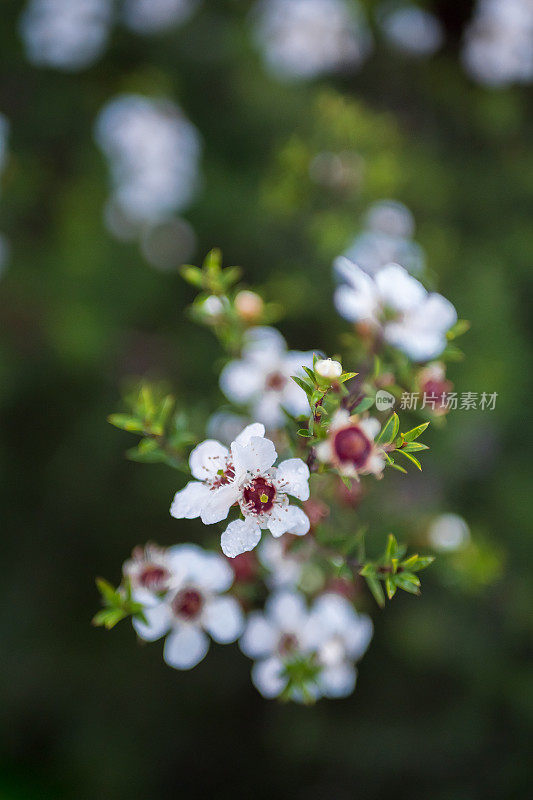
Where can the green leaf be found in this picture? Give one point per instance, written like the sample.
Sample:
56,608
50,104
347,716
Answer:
413,447
303,385
411,458
389,431
390,551
230,276
347,376
375,587
107,590
310,373
126,422
414,433
416,563
407,582
305,433
364,405
192,275
369,570
460,327
395,466
390,587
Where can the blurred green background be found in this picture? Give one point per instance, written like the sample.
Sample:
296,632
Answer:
444,703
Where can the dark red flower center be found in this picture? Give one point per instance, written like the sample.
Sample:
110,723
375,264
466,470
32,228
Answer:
153,577
259,495
287,644
276,381
187,604
353,446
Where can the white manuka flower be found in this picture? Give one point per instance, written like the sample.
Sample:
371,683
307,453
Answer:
149,572
244,476
301,39
284,567
262,377
153,16
274,638
350,446
193,607
340,636
410,318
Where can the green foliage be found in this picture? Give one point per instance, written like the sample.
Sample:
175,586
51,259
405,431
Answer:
165,430
392,571
118,604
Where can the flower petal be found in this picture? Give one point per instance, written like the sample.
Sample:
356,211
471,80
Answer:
207,571
260,637
256,457
239,537
399,290
263,346
158,620
207,458
268,678
355,306
188,503
292,477
288,519
287,610
241,380
223,619
370,426
255,429
217,505
337,681
185,647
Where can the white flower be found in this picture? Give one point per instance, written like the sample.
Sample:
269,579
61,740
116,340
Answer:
149,572
498,46
411,29
304,38
327,368
153,16
339,636
284,567
262,377
245,476
193,607
350,446
274,638
153,153
411,319
65,34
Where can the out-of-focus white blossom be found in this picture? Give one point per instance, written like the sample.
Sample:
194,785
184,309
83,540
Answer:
192,607
448,532
498,45
275,637
152,16
411,29
66,34
262,377
328,368
386,239
284,567
153,153
301,39
225,426
350,446
395,303
244,475
340,636
330,638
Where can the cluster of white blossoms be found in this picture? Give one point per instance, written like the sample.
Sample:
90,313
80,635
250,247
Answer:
410,29
71,35
183,594
498,46
244,476
320,645
153,153
386,238
66,34
262,378
4,133
301,39
397,307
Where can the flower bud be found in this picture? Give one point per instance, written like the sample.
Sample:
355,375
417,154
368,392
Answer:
249,306
327,368
213,306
